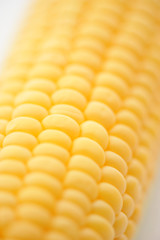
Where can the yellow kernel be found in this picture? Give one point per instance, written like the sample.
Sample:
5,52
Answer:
102,208
100,113
15,152
85,164
87,147
120,147
100,225
82,182
34,97
20,138
24,124
114,177
120,224
55,136
68,110
75,82
111,195
47,164
11,166
42,85
115,161
107,96
30,110
96,132
70,97
63,123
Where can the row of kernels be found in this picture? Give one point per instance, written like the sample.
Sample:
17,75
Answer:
44,149
78,176
106,196
36,180
131,183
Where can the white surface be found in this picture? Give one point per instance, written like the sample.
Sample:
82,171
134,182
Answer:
11,11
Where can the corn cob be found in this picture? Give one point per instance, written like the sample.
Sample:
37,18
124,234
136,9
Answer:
79,120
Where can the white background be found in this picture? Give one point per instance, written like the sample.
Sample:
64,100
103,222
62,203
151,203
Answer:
11,13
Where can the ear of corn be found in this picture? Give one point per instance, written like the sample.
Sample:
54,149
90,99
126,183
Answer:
79,120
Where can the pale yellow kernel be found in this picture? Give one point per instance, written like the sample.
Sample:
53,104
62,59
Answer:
56,236
118,68
120,147
3,125
6,99
6,216
1,140
129,118
18,228
71,210
133,188
111,195
90,43
78,198
102,208
7,198
128,205
124,55
137,213
47,164
113,82
125,133
137,169
55,136
120,224
66,226
34,97
12,87
9,182
34,213
87,147
82,182
11,166
143,95
101,226
97,32
130,229
68,110
42,85
70,97
115,161
107,96
37,195
6,112
85,57
85,164
100,113
48,71
114,177
52,150
89,234
16,73
20,138
15,152
58,43
55,57
75,82
44,180
122,237
80,70
136,107
96,132
24,124
30,110
63,123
